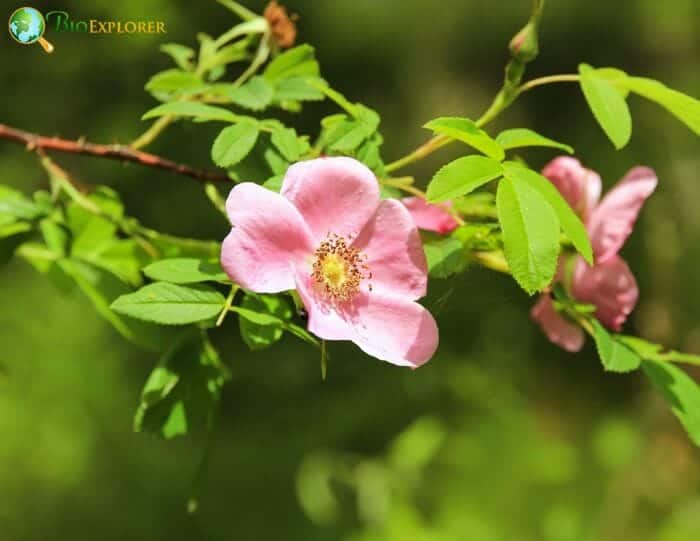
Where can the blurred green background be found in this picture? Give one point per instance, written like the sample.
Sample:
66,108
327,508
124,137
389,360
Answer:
500,436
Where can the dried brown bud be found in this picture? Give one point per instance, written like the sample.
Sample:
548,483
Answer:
284,31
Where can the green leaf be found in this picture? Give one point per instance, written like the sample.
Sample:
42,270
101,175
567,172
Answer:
274,183
90,231
607,105
14,204
123,258
200,111
302,88
183,390
102,288
255,95
295,62
614,354
680,391
289,143
55,236
181,54
185,270
445,257
683,107
370,155
649,351
530,233
234,143
171,304
616,77
468,132
11,237
259,336
570,223
173,80
258,318
462,176
522,137
349,134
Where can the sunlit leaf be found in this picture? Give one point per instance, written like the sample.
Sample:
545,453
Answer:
607,105
530,233
468,132
171,304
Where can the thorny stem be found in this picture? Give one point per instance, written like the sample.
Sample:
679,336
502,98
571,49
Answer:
41,143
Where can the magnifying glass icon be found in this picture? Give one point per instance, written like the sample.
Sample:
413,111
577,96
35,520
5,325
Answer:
27,26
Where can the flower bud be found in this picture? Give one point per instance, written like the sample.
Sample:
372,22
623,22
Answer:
524,46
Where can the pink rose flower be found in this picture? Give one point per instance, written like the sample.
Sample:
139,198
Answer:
357,262
429,216
609,284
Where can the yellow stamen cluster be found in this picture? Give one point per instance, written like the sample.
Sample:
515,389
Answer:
338,269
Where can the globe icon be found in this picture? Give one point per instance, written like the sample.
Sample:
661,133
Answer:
27,25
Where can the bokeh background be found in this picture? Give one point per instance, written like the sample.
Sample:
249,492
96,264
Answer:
500,437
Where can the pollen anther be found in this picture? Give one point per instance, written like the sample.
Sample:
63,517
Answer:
339,269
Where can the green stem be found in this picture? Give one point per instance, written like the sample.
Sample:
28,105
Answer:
499,104
565,78
155,129
227,306
492,260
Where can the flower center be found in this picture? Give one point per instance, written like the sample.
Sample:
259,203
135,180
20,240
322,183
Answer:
338,269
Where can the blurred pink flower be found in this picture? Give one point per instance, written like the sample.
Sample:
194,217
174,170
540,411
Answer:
429,216
609,284
356,262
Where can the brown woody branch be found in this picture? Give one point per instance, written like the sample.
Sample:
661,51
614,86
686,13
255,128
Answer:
114,152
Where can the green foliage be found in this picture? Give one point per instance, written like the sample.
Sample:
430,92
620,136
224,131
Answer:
181,54
683,107
445,257
680,391
170,84
468,132
295,76
259,332
289,143
183,390
570,223
417,446
103,288
607,105
185,270
522,137
198,111
171,304
234,143
462,176
255,95
614,354
530,233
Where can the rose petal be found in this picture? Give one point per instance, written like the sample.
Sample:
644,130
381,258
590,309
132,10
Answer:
398,331
393,330
430,217
334,195
612,221
394,252
269,237
579,186
610,286
559,331
324,320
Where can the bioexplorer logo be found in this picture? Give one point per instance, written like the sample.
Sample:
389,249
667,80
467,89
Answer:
27,26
